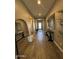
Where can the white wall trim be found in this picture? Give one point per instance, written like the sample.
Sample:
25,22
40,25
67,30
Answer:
58,46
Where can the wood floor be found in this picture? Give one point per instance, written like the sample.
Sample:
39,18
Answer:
40,48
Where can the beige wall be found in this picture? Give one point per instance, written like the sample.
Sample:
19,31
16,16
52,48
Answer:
57,7
22,13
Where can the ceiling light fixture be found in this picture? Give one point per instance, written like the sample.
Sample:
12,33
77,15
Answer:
38,2
39,14
38,19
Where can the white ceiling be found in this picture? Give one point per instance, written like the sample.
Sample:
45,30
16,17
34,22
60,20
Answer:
39,10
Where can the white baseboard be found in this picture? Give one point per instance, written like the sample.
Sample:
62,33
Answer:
58,46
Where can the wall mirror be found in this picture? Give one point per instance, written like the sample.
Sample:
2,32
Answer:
51,22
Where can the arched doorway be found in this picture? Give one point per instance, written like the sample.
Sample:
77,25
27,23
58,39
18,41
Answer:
20,25
21,33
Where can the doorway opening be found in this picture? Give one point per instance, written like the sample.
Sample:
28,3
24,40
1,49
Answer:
39,25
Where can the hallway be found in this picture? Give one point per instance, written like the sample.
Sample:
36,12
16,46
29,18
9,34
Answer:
40,48
39,29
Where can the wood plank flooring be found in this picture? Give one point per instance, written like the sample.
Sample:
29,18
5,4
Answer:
40,48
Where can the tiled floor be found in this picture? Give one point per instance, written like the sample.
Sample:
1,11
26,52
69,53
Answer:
40,48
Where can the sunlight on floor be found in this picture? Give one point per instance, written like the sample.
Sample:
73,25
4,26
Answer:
40,35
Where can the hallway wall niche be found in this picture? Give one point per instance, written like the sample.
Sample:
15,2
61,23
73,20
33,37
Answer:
21,34
20,25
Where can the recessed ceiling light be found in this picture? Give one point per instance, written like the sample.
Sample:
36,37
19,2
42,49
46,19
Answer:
38,19
39,2
39,14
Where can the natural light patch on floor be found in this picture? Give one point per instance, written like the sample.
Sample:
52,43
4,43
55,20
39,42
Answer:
40,35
